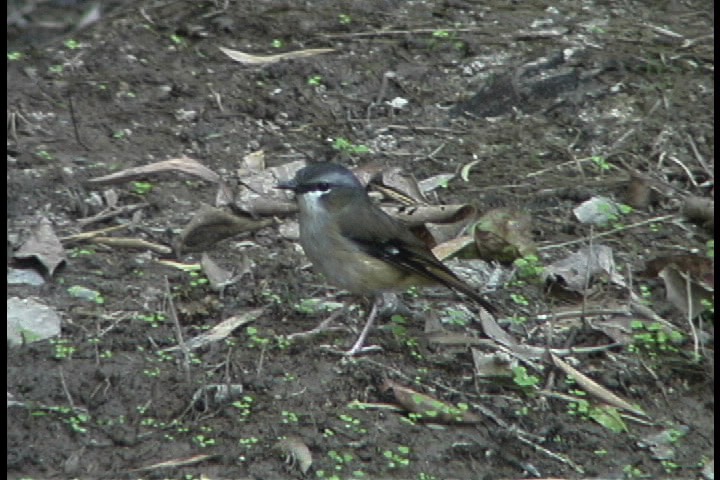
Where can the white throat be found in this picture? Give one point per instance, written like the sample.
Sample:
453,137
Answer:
311,204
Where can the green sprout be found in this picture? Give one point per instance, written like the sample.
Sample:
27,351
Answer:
654,338
519,299
289,417
63,349
344,145
523,379
44,154
344,19
244,405
14,56
529,267
255,339
178,40
600,163
72,44
152,319
398,459
460,318
277,43
142,188
315,80
352,423
202,441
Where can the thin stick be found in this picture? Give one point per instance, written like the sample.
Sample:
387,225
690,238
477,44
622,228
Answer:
610,232
178,331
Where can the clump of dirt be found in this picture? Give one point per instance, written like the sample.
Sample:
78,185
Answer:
555,105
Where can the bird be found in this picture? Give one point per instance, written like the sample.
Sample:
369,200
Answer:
357,246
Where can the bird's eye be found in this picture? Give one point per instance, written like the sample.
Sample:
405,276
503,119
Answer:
322,186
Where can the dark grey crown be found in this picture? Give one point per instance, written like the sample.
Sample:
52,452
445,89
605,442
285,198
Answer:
321,177
329,173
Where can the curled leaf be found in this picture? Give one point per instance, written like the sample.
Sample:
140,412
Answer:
296,452
249,59
210,225
44,246
428,408
184,165
504,235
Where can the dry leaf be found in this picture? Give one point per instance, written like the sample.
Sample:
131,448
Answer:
296,451
597,211
254,161
700,211
210,225
428,408
582,268
44,246
687,295
504,235
216,395
183,164
216,275
457,246
259,196
397,186
494,364
594,388
435,182
249,59
219,331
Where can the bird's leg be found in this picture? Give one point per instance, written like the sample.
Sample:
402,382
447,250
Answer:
358,346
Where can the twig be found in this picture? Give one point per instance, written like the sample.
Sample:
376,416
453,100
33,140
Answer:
700,158
610,232
690,312
560,458
65,388
382,33
74,124
125,242
685,169
322,327
79,237
112,212
178,331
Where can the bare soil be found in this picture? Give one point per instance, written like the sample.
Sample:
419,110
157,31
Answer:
529,91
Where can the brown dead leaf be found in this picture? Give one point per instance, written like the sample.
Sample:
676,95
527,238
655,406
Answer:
254,161
426,407
580,270
295,451
216,275
504,235
258,196
210,225
457,246
183,164
249,59
594,388
421,214
687,295
689,279
397,186
44,246
219,331
700,211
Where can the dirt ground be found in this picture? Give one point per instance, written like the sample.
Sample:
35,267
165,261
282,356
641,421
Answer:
555,104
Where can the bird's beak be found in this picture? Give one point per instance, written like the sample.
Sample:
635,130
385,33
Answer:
287,185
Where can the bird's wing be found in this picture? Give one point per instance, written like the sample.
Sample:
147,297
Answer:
387,239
